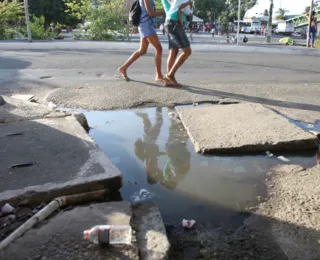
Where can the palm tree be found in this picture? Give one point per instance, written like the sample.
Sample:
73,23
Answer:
282,14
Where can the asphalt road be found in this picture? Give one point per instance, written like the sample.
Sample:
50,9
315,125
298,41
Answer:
81,75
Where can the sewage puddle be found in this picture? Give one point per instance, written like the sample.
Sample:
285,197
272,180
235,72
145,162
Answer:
154,152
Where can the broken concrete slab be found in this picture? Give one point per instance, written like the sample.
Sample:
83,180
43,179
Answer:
18,110
57,158
242,128
62,236
151,234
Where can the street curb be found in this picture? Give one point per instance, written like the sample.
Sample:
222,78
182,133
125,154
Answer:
128,46
151,234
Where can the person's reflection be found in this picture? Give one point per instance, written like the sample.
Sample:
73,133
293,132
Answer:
178,160
147,150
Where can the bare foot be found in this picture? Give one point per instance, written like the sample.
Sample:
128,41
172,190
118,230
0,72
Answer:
123,73
159,79
173,81
167,82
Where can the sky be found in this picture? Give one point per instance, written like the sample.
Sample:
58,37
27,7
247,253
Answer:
293,6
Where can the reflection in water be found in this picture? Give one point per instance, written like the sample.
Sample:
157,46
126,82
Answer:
153,152
177,164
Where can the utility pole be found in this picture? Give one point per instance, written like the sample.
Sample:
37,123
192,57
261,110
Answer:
26,9
309,24
238,30
270,22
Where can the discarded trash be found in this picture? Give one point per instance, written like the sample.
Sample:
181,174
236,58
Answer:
79,87
22,165
269,154
142,195
195,104
287,41
239,169
52,105
7,209
307,125
188,223
284,159
105,234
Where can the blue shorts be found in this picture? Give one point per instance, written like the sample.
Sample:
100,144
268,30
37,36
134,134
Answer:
146,28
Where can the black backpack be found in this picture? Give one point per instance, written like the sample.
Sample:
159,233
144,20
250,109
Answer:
134,14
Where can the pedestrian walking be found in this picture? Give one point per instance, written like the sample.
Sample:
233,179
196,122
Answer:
178,39
148,35
212,32
314,29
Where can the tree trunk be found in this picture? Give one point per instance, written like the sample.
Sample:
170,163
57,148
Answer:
26,8
47,21
270,22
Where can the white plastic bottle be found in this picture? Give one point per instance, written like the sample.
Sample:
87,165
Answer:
105,234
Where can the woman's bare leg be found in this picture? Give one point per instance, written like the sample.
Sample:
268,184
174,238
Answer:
154,41
144,43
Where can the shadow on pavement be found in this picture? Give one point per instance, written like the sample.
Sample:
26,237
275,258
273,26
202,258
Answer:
265,101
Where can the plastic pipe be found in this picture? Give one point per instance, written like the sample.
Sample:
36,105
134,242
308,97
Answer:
48,210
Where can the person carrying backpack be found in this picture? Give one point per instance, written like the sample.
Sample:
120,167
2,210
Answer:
148,35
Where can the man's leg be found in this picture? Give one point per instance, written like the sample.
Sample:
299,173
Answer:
186,52
172,58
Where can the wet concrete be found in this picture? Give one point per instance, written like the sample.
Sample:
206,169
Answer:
154,152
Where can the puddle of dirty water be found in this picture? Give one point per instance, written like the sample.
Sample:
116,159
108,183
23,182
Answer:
153,151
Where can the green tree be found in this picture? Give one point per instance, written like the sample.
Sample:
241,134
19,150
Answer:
106,17
266,12
53,11
81,9
209,9
281,14
11,14
245,6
